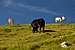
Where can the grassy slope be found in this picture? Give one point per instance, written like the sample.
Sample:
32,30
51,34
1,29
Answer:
22,38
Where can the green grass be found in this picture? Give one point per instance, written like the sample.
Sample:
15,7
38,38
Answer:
20,37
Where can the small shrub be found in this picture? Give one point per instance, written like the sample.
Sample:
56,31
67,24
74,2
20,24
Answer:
7,30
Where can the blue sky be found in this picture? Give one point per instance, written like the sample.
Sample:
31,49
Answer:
24,11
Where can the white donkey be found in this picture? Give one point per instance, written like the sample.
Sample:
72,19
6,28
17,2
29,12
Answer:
10,21
60,19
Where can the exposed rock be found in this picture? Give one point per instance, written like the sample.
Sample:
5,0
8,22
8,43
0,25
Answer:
65,44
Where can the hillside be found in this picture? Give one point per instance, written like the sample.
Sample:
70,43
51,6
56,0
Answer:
20,37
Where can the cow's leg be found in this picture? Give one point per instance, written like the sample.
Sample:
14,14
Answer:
33,30
40,29
43,29
37,29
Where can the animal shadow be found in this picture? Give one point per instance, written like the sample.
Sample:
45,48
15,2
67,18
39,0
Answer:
49,31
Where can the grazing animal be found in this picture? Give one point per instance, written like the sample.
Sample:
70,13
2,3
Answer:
10,21
38,24
60,19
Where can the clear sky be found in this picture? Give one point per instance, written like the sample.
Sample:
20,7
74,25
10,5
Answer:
24,11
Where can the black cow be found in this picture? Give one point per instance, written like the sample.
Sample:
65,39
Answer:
38,24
